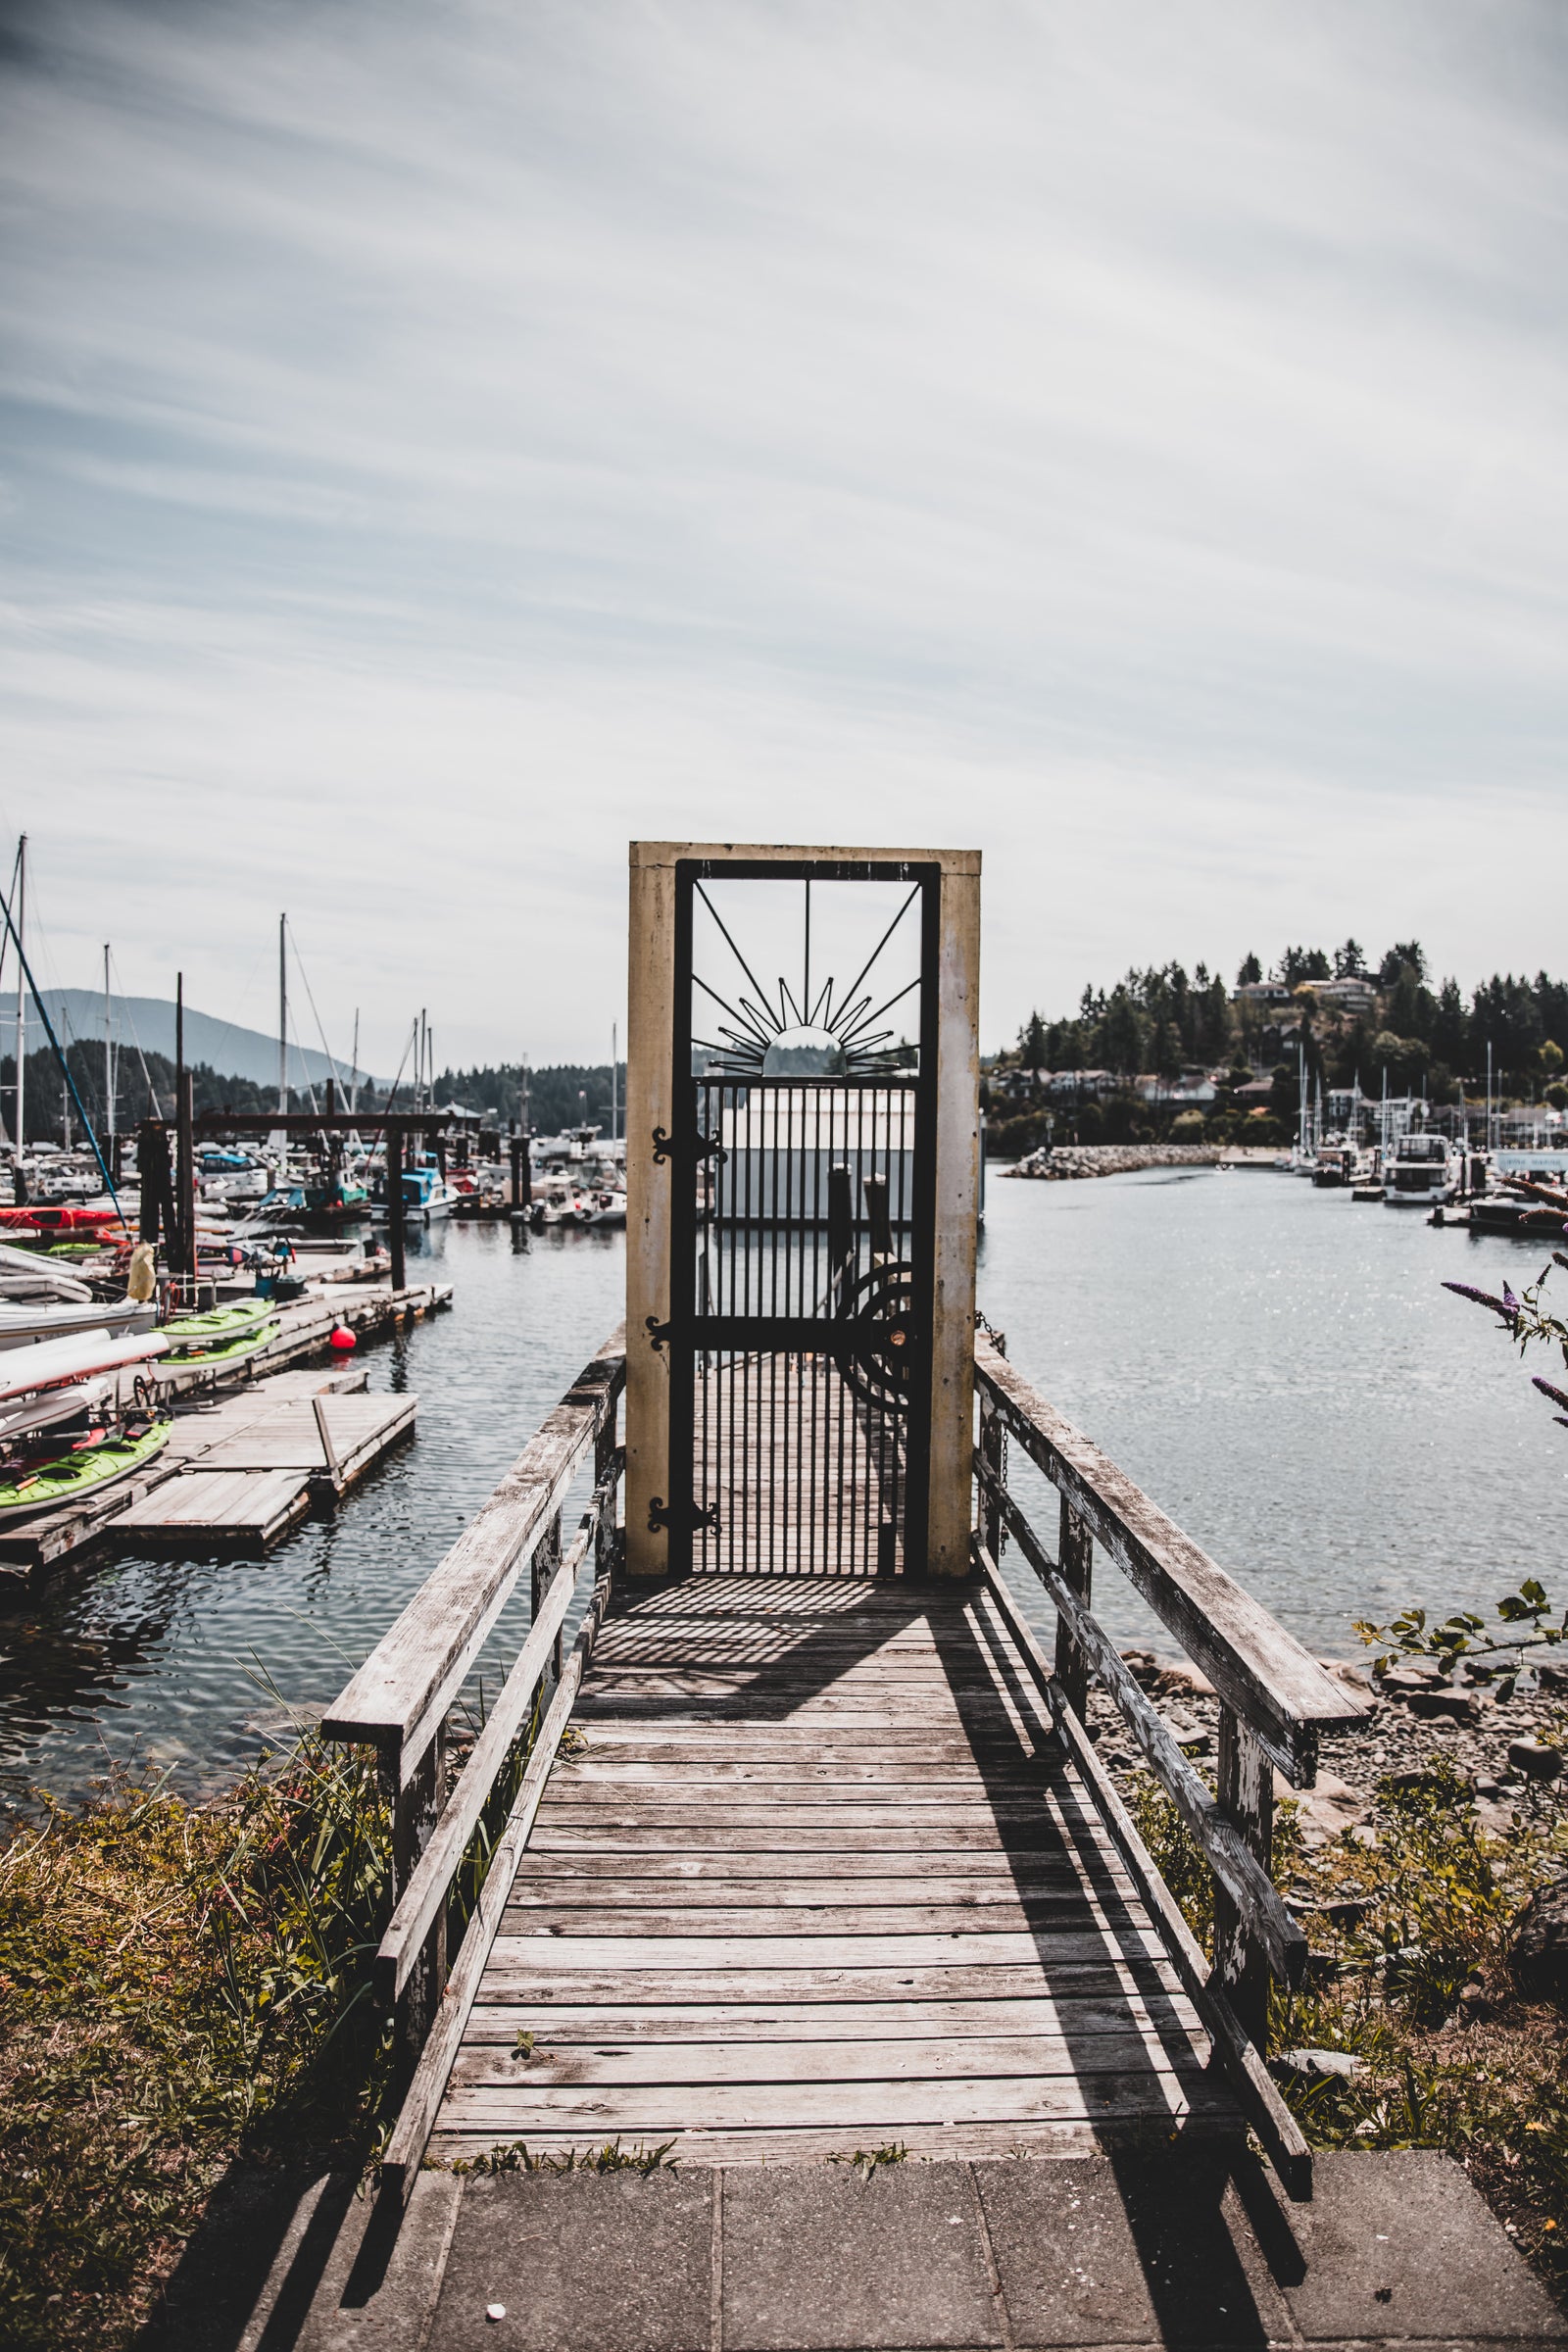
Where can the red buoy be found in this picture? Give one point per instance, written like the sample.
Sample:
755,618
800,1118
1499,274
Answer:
343,1338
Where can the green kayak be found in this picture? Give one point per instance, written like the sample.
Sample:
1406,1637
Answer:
221,1346
73,1475
218,1323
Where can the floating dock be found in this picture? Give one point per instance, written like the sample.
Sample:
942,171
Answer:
255,1443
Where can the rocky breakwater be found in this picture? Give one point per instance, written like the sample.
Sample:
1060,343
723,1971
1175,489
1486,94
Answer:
1069,1161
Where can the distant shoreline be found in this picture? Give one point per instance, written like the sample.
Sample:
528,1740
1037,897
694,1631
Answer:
1069,1162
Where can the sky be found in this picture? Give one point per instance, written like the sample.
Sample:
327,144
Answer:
438,445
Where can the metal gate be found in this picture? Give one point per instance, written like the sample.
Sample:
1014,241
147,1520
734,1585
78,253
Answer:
801,1221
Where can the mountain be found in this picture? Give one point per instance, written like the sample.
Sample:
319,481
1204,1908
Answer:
149,1021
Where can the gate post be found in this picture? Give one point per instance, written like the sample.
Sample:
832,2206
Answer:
650,1104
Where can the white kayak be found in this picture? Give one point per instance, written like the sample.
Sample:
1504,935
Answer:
60,1404
56,1361
33,1326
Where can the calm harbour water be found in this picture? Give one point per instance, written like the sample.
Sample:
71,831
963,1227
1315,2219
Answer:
1277,1367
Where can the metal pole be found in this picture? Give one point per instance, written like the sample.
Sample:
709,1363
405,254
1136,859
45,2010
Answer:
394,1206
185,1178
108,1054
22,991
614,1099
282,1012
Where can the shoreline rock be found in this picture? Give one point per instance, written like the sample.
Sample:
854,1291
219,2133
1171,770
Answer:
1066,1161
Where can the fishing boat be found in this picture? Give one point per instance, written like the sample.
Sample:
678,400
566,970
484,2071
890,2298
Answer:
426,1196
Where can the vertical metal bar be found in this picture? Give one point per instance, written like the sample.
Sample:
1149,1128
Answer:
686,1100
1246,1792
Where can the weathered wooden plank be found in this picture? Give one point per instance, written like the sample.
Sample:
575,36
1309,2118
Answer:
933,2058
659,2109
512,1975
1255,1665
400,1695
1051,1912
1049,1874
1057,2015
956,2142
959,1948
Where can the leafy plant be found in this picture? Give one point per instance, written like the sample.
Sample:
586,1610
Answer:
1465,1634
517,2157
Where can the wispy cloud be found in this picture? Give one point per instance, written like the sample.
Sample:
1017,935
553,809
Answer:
441,445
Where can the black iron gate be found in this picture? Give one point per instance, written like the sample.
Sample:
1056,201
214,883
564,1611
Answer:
802,1229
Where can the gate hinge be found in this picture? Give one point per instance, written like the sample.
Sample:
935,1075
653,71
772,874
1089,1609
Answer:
700,1147
657,1332
687,1516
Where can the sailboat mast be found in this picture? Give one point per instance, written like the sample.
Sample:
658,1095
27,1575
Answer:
21,989
353,1074
282,1015
109,1053
615,1073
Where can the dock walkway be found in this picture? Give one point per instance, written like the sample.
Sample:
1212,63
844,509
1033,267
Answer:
815,1876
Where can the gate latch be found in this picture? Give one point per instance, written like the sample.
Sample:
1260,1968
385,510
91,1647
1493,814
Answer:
688,1517
700,1147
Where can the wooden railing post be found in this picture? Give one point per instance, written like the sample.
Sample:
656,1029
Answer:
546,1560
604,1462
1075,1555
993,1454
1246,1794
416,1809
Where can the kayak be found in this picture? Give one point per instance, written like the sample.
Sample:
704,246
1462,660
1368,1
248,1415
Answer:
59,1404
55,1362
216,1323
221,1349
41,1218
46,1485
26,1326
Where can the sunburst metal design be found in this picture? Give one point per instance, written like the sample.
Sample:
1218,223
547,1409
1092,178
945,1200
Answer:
847,1015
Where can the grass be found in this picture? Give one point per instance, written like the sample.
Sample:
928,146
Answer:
1414,1984
179,1984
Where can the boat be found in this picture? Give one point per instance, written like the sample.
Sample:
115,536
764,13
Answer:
99,1459
426,1196
56,1404
223,1335
1336,1164
1424,1172
56,1363
603,1208
56,1222
34,1326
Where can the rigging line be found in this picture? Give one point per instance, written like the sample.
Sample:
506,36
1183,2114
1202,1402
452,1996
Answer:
5,937
734,950
883,940
65,1066
398,1080
299,965
124,1006
745,1015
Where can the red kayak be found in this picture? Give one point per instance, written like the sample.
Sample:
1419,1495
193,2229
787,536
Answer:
45,1219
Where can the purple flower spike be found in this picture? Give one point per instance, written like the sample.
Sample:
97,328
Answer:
1506,1306
1557,1396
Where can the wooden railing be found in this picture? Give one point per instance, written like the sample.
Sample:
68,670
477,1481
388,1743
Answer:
1274,1701
400,1700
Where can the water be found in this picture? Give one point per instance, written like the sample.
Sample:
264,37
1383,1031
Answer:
1277,1367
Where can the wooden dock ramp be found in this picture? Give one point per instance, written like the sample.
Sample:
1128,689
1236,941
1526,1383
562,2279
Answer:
815,1876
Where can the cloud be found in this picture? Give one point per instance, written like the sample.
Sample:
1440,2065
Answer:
440,446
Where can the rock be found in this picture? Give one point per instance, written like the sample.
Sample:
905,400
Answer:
1189,1736
1325,1810
1343,1672
1534,1758
1537,1945
1346,1910
1182,1682
1552,1678
1317,2066
1143,1666
1458,1707
1401,1680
